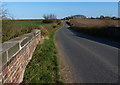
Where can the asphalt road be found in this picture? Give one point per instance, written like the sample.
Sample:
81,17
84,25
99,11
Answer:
90,60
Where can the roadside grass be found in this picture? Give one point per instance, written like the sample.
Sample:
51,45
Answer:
44,66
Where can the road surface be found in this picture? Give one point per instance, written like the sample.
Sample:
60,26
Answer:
90,61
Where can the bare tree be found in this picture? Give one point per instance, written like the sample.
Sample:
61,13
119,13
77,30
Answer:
49,16
7,24
45,16
4,13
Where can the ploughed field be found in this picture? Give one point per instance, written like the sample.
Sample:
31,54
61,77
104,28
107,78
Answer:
91,23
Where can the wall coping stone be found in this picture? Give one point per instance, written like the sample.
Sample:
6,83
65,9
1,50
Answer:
13,46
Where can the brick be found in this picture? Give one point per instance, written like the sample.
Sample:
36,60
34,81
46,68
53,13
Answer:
13,81
8,80
13,70
11,64
5,71
7,75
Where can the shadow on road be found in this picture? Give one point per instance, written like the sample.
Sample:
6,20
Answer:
96,39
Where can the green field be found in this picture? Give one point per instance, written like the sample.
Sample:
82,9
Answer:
29,23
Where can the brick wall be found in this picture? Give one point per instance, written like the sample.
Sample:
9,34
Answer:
16,54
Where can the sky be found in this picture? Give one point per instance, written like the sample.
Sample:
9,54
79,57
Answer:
59,0
36,10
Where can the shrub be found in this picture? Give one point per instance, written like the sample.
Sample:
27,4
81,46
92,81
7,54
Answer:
49,16
70,24
10,30
51,21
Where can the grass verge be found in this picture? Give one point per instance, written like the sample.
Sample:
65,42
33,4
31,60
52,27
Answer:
44,66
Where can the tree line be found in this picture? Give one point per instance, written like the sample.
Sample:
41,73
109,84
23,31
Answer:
84,17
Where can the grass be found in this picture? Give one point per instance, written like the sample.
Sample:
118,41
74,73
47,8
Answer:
44,66
12,29
29,23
